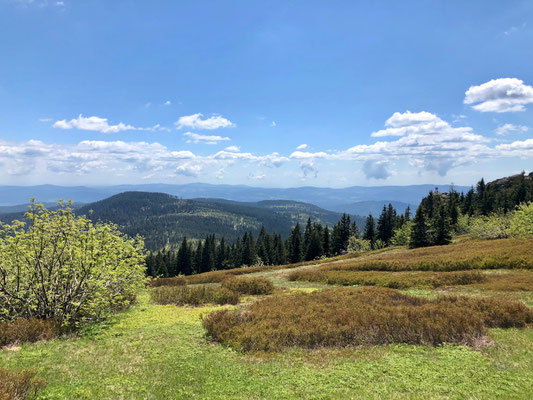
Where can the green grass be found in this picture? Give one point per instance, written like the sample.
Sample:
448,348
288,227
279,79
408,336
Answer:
160,352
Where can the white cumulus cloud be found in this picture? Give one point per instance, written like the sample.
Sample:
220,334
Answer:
302,146
99,124
500,95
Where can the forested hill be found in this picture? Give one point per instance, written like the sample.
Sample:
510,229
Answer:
164,219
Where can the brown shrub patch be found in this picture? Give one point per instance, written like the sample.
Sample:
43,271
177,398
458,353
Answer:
30,330
19,385
369,316
394,280
195,296
472,254
175,281
510,281
249,285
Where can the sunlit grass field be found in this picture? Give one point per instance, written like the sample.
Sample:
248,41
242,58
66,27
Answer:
161,352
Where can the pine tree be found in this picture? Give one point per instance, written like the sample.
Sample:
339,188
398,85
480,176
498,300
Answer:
325,242
314,249
198,257
295,245
419,232
184,259
442,227
370,230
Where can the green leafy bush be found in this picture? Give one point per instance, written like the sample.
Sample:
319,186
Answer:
249,285
402,236
494,226
522,221
27,330
19,385
194,296
370,316
66,268
356,245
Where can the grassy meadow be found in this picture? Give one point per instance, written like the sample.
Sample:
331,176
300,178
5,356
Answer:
161,351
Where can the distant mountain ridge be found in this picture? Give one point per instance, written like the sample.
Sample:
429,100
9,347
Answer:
373,207
163,219
327,198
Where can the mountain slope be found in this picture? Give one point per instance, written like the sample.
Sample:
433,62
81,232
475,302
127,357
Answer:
163,219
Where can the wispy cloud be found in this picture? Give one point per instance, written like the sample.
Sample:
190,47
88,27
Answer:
195,121
506,128
206,139
302,146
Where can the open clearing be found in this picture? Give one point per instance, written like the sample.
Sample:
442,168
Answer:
160,352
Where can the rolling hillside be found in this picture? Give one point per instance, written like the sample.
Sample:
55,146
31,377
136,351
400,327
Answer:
163,219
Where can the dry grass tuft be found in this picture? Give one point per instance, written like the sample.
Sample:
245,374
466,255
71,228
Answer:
194,296
254,286
369,316
30,330
175,281
19,385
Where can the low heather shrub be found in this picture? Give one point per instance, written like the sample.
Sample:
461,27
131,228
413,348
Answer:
395,280
175,281
19,385
249,285
369,316
30,330
195,296
467,255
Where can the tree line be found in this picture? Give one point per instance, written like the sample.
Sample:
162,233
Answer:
438,217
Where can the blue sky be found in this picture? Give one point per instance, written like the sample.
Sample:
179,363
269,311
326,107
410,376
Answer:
277,93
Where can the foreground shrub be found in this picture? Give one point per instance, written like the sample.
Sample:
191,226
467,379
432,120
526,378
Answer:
395,280
30,330
370,316
195,296
175,281
249,285
19,385
66,268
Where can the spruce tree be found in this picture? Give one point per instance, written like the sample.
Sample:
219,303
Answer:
295,245
419,232
370,230
184,259
442,227
325,242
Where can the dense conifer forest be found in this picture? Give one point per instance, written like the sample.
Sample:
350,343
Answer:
436,220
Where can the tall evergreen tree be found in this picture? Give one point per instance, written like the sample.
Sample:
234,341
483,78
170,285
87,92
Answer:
325,242
370,230
419,232
295,245
442,227
184,258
